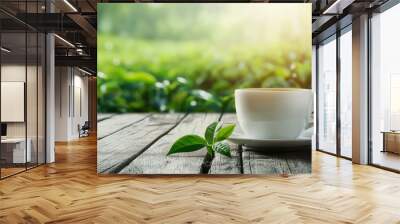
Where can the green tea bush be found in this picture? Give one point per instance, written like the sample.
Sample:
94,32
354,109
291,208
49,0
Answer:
150,76
191,57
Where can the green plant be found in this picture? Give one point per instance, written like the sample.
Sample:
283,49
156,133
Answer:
138,75
213,141
165,64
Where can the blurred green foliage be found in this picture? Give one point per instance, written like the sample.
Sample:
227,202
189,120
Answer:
154,60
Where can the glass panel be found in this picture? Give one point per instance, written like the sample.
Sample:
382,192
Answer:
31,88
41,99
346,94
13,86
31,98
386,89
327,96
23,90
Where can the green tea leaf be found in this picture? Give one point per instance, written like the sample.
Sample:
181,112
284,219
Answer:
187,143
226,99
202,94
139,77
222,148
210,132
224,132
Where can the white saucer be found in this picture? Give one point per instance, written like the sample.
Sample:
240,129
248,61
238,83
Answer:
241,139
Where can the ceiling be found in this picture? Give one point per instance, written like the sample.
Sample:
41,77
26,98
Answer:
74,22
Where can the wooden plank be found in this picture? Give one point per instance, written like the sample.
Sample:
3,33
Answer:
101,117
154,159
288,162
268,163
225,165
299,162
118,148
118,122
275,162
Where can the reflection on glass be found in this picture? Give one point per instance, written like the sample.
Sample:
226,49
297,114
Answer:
31,101
346,94
394,102
14,150
22,92
327,96
386,89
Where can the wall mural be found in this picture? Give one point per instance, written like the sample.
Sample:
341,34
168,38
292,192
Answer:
204,88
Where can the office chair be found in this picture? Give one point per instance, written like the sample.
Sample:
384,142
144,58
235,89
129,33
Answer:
84,130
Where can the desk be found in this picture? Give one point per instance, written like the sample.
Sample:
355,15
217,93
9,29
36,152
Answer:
391,141
13,150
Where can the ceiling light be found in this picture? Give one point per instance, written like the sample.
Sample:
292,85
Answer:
70,5
5,50
79,51
84,71
65,41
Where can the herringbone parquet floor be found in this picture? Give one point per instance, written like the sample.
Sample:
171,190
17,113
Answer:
70,191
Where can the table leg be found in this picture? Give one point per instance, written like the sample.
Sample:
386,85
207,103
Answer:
384,143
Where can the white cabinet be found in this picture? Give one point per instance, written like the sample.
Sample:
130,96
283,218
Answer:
17,148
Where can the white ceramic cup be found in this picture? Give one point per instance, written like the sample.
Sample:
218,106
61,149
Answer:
273,113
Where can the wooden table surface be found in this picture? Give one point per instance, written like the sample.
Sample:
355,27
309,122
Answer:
138,144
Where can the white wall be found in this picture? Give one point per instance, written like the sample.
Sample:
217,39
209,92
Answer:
80,102
62,81
12,73
33,126
70,84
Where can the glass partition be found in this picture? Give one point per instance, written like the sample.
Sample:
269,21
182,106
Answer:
14,153
22,77
385,89
327,96
32,97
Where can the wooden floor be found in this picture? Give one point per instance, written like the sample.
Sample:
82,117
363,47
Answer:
8,171
70,191
386,159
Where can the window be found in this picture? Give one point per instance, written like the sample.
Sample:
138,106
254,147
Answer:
346,92
385,89
327,96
